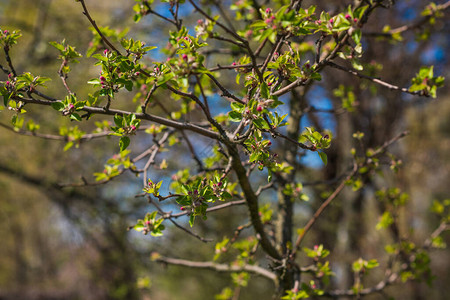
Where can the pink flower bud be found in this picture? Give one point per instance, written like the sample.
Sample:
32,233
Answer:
200,22
8,83
268,10
331,21
105,52
10,75
355,20
185,56
269,143
147,222
6,32
269,83
102,78
133,127
233,64
71,106
182,208
137,74
259,108
348,17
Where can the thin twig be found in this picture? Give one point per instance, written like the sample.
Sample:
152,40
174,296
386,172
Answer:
217,267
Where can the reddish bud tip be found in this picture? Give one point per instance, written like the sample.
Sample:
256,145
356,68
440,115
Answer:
137,74
182,208
147,222
133,127
233,64
331,21
102,78
269,83
184,56
8,83
71,106
200,22
355,20
268,10
269,143
105,51
348,17
259,108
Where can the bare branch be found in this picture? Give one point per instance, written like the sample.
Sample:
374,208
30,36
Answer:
216,267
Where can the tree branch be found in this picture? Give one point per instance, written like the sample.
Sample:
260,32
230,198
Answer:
216,267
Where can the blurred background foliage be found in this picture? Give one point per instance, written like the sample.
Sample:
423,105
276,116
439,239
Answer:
73,243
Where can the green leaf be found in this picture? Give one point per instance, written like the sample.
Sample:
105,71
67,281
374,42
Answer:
235,116
124,142
191,220
118,120
75,117
323,157
59,106
236,106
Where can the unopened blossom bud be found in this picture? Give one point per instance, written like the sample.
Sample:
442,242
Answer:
355,20
71,106
269,83
105,51
348,17
268,10
182,208
259,108
133,127
102,78
233,64
185,56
